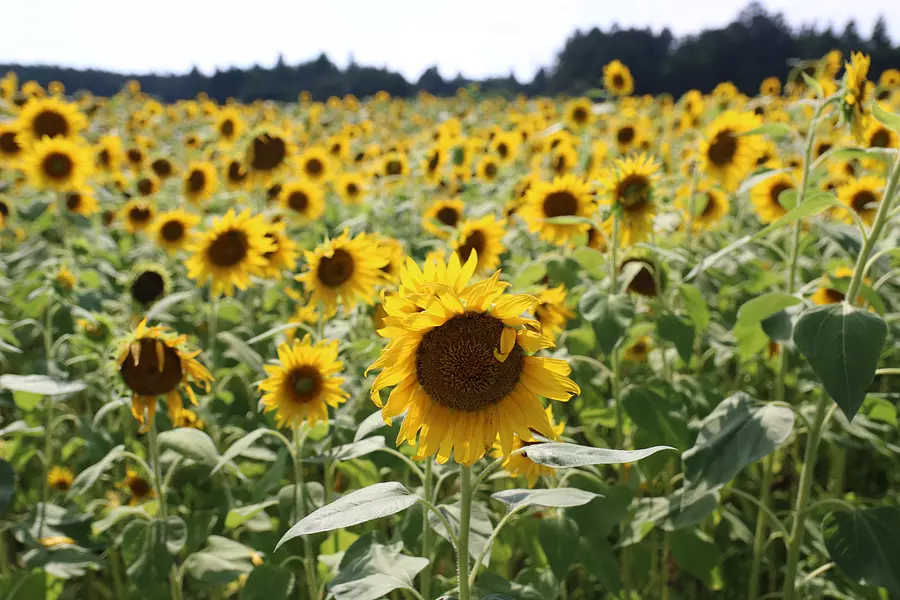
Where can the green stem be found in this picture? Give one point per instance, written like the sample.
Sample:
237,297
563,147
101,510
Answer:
48,461
491,541
116,572
798,527
691,207
301,508
465,514
759,539
212,329
425,578
154,464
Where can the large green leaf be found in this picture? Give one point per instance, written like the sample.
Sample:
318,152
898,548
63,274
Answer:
352,450
40,385
367,504
597,556
843,345
662,419
190,443
695,553
147,558
31,586
268,582
865,543
683,508
736,433
88,477
370,570
240,446
555,497
756,310
238,516
117,515
480,526
562,456
558,536
673,328
609,315
695,305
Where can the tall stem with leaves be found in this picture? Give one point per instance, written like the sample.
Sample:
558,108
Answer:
465,516
426,532
301,509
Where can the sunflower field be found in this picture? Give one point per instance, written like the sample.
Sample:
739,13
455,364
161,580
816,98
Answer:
468,348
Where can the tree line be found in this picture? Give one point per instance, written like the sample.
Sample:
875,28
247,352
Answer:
756,45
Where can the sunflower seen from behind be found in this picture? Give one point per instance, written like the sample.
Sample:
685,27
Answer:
628,186
461,368
305,382
230,252
567,196
173,229
482,238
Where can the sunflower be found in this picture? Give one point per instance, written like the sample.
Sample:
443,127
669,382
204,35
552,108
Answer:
519,465
284,254
629,188
147,185
770,86
109,154
647,277
483,238
236,176
338,147
579,113
5,211
727,156
393,252
394,164
433,163
617,79
855,100
200,181
565,196
138,215
351,187
563,159
827,294
551,310
10,148
230,126
630,133
303,199
315,165
230,252
173,229
138,487
65,278
149,283
49,118
878,135
460,368
863,195
60,478
81,202
710,205
344,268
162,167
488,169
153,362
136,157
305,384
443,215
59,164
890,78
188,418
638,350
505,146
267,154
765,196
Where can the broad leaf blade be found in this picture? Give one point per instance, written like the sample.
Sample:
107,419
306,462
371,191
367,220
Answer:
563,456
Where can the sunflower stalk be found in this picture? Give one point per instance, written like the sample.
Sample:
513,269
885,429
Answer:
426,533
465,515
301,509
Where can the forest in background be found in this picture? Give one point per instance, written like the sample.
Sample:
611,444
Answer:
757,44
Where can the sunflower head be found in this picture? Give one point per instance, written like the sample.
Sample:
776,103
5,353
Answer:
862,195
81,202
58,164
200,181
149,283
60,478
551,310
617,79
646,276
267,154
137,486
138,215
710,205
305,383
638,350
482,238
855,94
770,86
153,362
173,229
766,196
11,150
315,165
443,217
629,189
579,113
567,196
727,156
303,199
283,254
42,118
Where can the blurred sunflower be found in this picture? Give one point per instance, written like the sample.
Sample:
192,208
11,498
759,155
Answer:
770,86
459,366
173,229
878,135
638,350
315,165
629,188
5,211
138,215
505,146
81,202
393,252
351,187
147,185
863,195
200,181
230,126
344,268
827,292
551,310
188,418
138,487
10,148
230,252
765,196
579,113
283,256
149,282
136,157
59,164
855,101
109,154
647,277
42,118
394,164
617,79
710,205
433,163
305,384
442,215
487,169
236,176
519,465
725,154
566,196
267,154
304,199
482,238
630,133
162,167
153,362
60,478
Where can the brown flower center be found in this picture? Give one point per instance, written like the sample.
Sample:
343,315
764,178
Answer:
73,201
643,282
267,152
236,173
172,231
633,191
139,487
393,167
196,182
298,201
150,376
490,170
776,191
862,201
314,167
448,216
275,245
618,81
455,363
58,165
305,384
145,186
579,115
336,269
723,148
474,241
227,128
625,135
352,190
139,214
560,204
135,155
161,167
880,139
228,249
50,123
434,161
8,143
834,296
148,287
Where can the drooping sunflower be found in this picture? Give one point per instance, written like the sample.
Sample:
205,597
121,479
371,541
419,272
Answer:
519,465
11,151
617,79
149,282
230,252
726,156
315,165
460,367
483,238
442,215
138,487
81,202
200,181
351,187
229,125
49,118
648,278
629,188
153,362
267,154
863,196
138,215
579,113
765,196
284,254
710,205
59,164
551,310
567,196
305,384
303,199
172,230
855,100
343,269
60,478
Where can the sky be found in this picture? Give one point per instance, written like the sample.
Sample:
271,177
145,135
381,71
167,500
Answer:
477,38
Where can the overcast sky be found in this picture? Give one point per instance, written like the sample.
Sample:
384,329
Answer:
474,37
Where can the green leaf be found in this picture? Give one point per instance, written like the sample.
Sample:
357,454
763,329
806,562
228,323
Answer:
480,526
774,130
190,443
684,508
7,485
215,569
33,586
678,331
888,119
762,307
599,517
239,447
609,315
370,570
367,504
778,327
563,456
166,303
88,477
147,557
529,274
880,409
238,516
754,180
597,556
661,418
591,260
268,582
788,198
695,305
558,536
20,428
843,345
176,534
554,498
735,434
370,424
241,352
695,554
865,543
27,401
353,450
40,385
116,515
569,220
493,586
